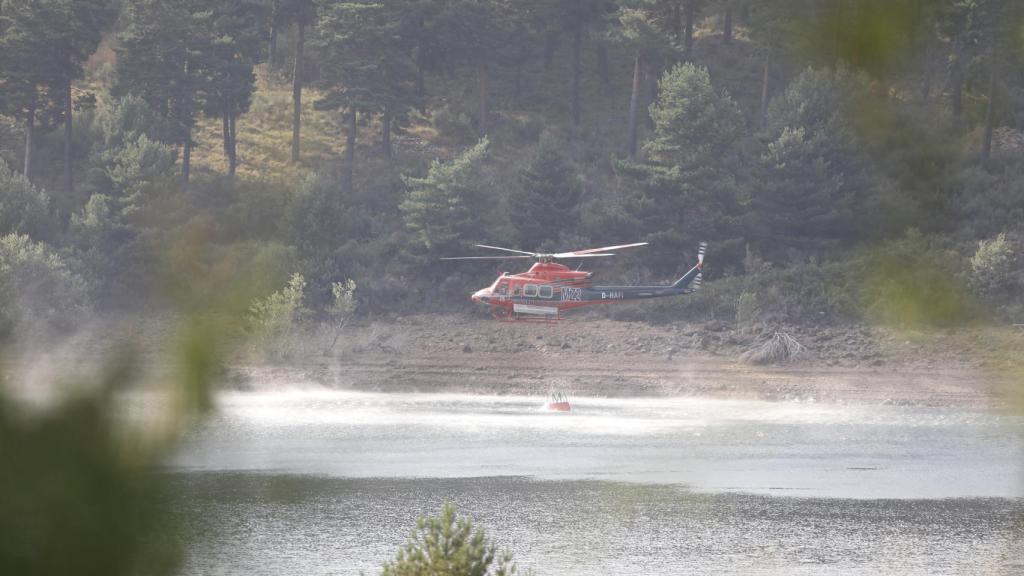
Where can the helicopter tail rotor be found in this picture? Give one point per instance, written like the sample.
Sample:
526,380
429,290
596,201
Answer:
692,280
699,280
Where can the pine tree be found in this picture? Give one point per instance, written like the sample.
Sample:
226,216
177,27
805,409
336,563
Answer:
773,24
238,27
24,209
694,124
547,203
367,66
163,57
446,207
693,181
813,178
476,35
575,18
640,32
26,80
303,14
449,545
50,41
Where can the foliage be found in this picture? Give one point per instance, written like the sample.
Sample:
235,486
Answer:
38,290
110,249
546,205
45,44
343,303
822,101
747,307
133,156
913,282
453,124
138,165
367,62
814,180
274,319
641,29
802,293
448,546
691,187
73,501
990,198
78,492
24,209
693,123
239,29
124,119
997,269
161,52
445,208
857,146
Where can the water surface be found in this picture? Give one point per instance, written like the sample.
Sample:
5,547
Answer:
331,483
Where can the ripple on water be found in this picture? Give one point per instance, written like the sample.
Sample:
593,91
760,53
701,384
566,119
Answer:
268,524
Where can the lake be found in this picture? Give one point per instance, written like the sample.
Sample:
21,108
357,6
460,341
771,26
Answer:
303,482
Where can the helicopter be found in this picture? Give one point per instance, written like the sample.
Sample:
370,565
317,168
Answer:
549,288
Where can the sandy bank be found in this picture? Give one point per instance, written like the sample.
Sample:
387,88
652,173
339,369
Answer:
608,358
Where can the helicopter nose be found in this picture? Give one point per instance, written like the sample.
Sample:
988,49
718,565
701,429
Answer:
480,295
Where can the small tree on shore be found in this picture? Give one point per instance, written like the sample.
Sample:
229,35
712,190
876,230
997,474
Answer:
448,546
274,319
996,269
343,304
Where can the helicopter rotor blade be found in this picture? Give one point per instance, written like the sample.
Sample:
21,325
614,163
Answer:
570,255
506,249
578,253
483,257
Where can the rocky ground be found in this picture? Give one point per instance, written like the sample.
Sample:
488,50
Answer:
980,366
612,358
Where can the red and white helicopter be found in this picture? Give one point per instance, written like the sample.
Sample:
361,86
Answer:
548,288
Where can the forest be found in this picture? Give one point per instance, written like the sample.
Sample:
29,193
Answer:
846,160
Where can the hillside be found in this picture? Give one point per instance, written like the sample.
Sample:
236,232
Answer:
857,178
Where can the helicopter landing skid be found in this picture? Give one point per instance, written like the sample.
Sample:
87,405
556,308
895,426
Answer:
506,315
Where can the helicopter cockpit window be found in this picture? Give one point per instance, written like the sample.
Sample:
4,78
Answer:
545,292
503,288
530,290
517,290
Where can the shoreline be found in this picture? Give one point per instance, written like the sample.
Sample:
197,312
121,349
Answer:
497,375
586,356
605,358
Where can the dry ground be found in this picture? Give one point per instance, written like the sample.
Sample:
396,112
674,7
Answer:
611,358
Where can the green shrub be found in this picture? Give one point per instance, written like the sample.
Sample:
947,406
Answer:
997,272
113,257
343,305
132,155
24,209
914,282
991,198
747,307
137,165
275,319
38,291
453,125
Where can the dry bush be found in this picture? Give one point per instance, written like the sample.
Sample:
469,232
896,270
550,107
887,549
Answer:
781,347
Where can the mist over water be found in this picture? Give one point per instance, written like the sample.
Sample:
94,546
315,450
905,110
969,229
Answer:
707,445
332,482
